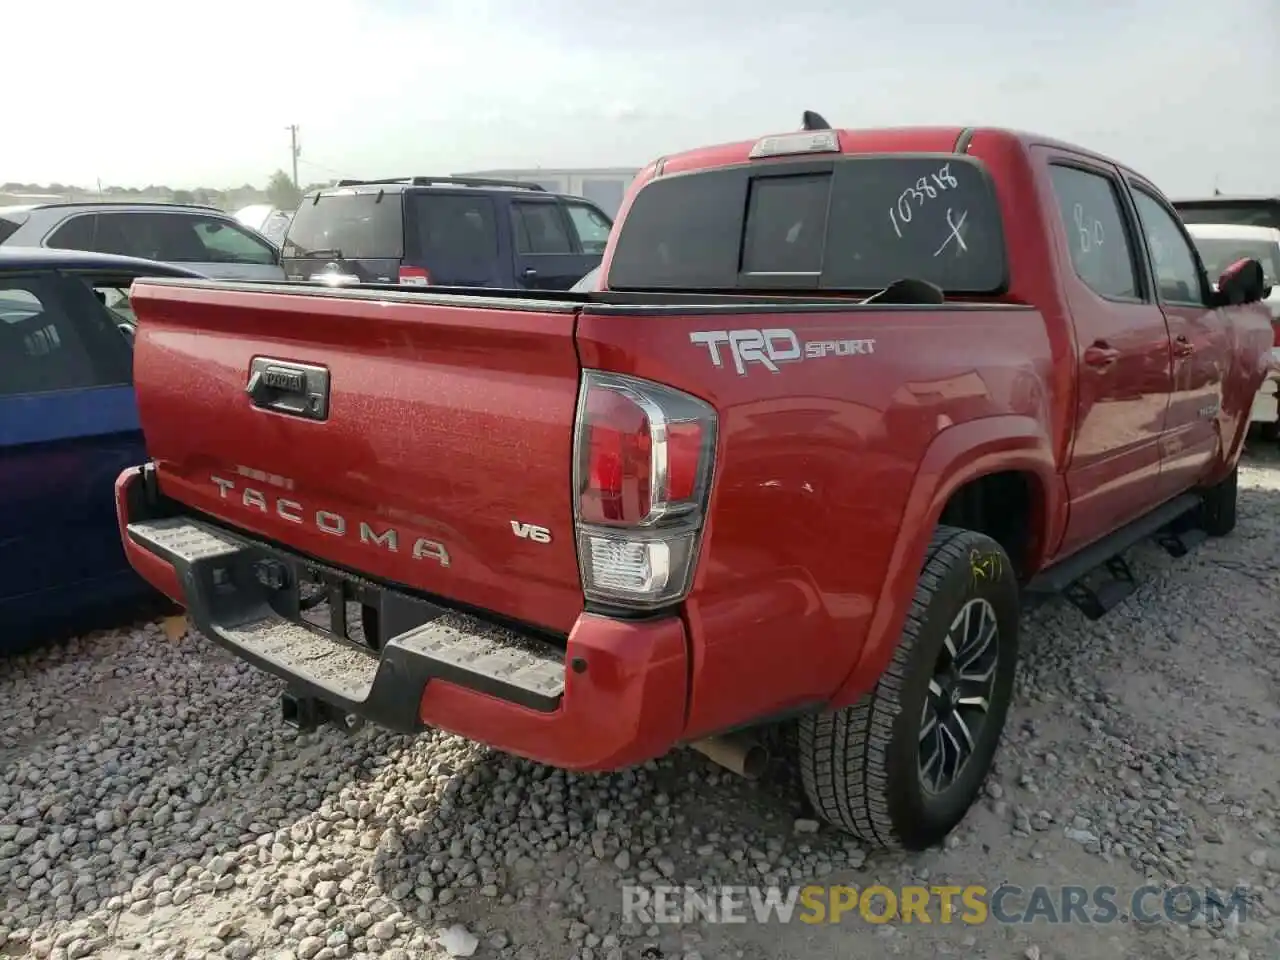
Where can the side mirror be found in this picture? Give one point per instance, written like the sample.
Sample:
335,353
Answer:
126,329
1242,282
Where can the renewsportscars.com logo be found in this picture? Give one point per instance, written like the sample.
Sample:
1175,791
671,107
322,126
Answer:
770,348
968,905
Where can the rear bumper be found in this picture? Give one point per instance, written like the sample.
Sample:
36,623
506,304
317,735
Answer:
613,696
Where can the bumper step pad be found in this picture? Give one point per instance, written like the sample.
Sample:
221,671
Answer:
228,602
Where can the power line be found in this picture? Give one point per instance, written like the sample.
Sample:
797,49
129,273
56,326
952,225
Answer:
322,167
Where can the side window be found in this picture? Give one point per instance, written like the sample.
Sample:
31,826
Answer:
1100,252
114,294
539,228
52,338
227,243
153,236
78,233
1176,269
452,226
592,228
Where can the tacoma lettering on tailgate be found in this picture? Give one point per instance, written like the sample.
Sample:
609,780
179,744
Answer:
326,521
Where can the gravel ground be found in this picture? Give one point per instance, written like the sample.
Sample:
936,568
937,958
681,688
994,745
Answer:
151,805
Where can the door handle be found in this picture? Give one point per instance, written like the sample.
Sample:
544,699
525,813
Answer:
296,389
1182,347
530,273
1100,355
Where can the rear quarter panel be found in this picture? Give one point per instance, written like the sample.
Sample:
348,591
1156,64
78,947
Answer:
820,465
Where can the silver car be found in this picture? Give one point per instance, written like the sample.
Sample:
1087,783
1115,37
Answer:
203,239
271,222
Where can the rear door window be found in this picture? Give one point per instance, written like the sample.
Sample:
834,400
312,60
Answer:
453,226
52,338
171,237
856,223
591,227
351,226
540,228
1090,211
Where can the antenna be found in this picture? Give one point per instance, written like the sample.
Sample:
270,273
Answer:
814,121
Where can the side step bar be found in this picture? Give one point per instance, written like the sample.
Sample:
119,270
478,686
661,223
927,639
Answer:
1171,525
244,596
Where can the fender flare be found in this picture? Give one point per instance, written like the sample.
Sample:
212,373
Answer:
956,456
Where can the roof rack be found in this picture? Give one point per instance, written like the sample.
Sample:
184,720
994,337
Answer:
455,181
120,203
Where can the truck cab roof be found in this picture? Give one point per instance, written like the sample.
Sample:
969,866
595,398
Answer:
908,139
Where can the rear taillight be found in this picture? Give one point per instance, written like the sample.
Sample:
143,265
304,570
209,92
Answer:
643,457
415,276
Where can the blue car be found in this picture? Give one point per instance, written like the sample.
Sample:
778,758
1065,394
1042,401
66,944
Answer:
68,426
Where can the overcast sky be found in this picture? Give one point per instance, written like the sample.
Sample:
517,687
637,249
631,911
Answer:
199,92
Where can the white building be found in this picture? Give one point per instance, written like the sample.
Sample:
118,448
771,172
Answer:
603,186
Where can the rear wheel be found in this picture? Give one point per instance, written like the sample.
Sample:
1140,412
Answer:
1218,506
901,767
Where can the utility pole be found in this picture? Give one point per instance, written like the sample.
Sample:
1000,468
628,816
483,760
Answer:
294,151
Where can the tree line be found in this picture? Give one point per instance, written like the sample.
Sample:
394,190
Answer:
279,192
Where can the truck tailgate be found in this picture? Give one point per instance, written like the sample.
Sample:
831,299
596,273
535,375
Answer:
440,459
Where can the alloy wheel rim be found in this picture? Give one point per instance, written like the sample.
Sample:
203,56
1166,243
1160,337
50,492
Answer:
958,700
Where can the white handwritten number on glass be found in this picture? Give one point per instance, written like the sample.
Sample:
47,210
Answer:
925,189
1090,234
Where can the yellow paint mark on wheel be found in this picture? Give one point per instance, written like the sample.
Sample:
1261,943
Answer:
985,566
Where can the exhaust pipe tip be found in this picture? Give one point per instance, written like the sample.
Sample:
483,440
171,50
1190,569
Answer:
737,753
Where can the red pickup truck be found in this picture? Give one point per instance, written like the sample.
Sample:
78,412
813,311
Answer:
845,400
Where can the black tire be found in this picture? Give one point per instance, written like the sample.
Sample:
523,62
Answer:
1218,506
861,765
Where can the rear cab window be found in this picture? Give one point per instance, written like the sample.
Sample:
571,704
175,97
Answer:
1241,213
852,223
1218,253
350,225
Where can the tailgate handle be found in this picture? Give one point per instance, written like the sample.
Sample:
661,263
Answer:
295,389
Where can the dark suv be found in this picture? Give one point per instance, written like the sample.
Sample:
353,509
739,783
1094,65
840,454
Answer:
444,231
